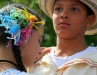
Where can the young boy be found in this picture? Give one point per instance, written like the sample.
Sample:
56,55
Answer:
72,19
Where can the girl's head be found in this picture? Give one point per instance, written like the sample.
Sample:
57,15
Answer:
91,5
22,29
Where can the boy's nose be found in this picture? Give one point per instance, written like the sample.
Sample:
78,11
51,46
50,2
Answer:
64,14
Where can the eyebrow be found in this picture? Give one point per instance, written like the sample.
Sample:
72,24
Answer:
58,4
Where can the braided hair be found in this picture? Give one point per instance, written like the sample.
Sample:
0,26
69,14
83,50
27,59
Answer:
3,40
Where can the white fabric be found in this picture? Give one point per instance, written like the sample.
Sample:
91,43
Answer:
59,61
13,71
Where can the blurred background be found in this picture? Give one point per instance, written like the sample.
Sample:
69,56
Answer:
49,35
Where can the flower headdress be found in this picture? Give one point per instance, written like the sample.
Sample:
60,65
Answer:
19,24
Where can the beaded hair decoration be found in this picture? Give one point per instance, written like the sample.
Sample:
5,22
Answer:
19,24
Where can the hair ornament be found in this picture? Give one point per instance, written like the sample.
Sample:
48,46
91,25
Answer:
18,24
41,22
30,16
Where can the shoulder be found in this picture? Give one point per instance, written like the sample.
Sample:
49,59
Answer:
13,71
10,71
92,54
47,57
95,48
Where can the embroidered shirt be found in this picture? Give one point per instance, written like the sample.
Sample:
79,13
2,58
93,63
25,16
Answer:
86,64
59,61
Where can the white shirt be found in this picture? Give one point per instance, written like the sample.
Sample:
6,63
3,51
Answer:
59,61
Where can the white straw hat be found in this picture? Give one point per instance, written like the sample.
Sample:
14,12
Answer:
47,7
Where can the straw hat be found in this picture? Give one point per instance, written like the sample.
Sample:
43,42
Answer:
47,7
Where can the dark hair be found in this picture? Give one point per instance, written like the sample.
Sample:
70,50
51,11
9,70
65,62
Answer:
3,40
89,11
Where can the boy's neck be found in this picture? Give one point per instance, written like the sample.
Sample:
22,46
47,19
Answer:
68,47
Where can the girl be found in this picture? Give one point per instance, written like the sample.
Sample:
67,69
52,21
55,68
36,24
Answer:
21,32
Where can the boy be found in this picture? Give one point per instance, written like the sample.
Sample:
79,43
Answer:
72,19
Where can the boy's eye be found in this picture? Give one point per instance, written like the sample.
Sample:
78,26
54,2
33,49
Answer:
74,9
58,9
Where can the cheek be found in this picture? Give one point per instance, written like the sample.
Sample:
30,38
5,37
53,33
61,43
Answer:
79,21
78,27
55,18
34,48
34,45
55,21
30,51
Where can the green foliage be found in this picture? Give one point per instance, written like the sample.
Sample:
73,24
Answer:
89,39
49,35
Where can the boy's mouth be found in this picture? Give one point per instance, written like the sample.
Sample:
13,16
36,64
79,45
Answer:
63,24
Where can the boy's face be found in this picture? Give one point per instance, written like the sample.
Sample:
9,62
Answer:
70,18
32,47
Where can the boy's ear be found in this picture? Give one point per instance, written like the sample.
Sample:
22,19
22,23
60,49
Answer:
90,20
